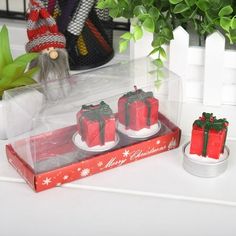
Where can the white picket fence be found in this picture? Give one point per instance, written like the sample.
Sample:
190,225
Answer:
208,73
13,5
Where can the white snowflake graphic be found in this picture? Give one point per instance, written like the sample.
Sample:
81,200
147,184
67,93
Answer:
65,177
85,172
126,153
158,142
100,163
78,169
172,144
47,181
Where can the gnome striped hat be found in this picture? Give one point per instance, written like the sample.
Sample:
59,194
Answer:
42,29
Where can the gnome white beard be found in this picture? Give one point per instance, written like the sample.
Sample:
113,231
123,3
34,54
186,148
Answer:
52,69
53,74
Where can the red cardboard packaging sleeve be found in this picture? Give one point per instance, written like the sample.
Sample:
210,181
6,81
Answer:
62,162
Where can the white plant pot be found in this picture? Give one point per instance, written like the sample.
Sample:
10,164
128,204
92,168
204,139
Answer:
17,113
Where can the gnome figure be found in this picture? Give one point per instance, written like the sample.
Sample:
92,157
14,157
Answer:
45,38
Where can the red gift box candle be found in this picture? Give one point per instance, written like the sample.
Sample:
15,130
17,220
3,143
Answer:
138,110
208,136
96,124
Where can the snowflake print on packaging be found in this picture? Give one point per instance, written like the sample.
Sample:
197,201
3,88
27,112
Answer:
100,163
126,153
65,177
47,181
85,172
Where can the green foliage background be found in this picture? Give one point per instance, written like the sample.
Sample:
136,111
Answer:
161,17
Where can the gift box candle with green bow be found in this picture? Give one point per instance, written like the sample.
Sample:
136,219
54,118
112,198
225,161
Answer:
138,109
208,136
96,124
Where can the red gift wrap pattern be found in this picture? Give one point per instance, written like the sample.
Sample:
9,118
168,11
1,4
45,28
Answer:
138,110
124,154
208,136
96,124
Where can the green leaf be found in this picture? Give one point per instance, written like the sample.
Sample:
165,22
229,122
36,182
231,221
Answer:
158,41
162,53
111,4
101,4
233,23
158,83
126,36
123,46
167,33
12,82
22,81
181,7
158,62
155,50
5,52
232,35
154,13
143,17
190,3
210,18
138,33
26,58
147,2
1,93
175,1
30,73
4,87
161,75
203,5
225,23
114,12
16,69
149,25
10,73
139,10
225,11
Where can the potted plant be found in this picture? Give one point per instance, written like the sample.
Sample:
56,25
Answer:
14,73
161,17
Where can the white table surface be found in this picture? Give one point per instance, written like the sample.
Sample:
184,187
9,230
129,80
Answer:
154,196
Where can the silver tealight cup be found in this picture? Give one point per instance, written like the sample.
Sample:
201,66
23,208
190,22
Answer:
204,169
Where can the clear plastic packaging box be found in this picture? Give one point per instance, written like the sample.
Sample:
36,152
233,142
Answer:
95,121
